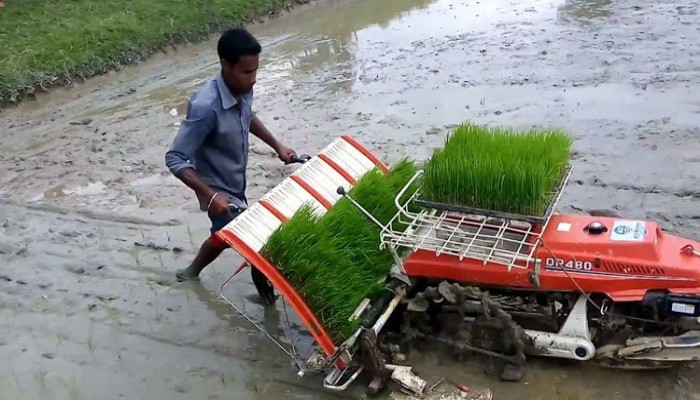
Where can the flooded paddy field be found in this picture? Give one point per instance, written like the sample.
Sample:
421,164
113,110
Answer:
93,227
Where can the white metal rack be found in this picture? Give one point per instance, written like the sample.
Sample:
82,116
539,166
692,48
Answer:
507,241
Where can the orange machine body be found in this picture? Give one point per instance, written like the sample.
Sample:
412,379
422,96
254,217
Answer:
624,260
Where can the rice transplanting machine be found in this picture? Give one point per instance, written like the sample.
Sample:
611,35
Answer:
616,292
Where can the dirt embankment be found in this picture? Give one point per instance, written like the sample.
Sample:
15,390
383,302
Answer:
46,44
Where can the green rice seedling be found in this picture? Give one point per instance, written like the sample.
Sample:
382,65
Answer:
497,169
41,377
334,261
71,386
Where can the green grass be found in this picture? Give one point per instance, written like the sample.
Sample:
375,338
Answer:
497,169
334,262
49,42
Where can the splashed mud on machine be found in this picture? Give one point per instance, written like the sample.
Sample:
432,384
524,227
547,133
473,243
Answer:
619,293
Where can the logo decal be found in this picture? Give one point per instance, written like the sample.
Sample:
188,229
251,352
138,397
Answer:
628,231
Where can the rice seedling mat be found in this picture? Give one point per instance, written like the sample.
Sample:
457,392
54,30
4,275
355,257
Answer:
533,219
461,177
334,261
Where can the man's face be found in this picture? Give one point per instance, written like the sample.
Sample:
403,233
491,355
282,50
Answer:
241,75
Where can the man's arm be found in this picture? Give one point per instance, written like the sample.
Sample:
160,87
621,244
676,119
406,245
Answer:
198,123
258,129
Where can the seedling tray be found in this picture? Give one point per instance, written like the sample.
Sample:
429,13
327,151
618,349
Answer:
533,219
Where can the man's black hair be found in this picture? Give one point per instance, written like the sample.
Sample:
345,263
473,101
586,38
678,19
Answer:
236,43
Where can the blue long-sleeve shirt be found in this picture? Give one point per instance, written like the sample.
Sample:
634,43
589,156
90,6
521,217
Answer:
213,139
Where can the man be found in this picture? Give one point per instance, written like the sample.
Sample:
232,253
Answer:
210,152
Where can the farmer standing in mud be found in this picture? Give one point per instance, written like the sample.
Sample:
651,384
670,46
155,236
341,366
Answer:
210,152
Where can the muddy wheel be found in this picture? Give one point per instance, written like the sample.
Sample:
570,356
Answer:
374,388
512,372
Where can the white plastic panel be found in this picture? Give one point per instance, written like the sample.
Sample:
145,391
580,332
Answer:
348,158
289,196
356,155
254,226
323,178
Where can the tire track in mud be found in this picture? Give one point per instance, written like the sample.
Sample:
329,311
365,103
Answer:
84,216
686,194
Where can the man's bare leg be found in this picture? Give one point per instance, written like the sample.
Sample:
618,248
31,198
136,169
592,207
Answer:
210,250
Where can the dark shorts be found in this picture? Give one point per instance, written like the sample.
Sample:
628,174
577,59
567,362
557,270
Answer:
221,220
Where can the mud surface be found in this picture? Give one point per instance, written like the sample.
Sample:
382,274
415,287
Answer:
92,226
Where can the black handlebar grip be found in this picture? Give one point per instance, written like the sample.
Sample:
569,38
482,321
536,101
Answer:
299,159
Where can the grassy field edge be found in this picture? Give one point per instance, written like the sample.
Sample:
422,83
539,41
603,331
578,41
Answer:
32,69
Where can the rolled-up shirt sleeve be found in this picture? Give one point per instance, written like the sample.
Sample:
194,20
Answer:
199,122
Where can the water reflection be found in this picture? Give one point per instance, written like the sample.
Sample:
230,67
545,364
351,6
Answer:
584,11
327,39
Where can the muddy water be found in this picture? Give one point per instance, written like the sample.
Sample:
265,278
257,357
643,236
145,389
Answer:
93,227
